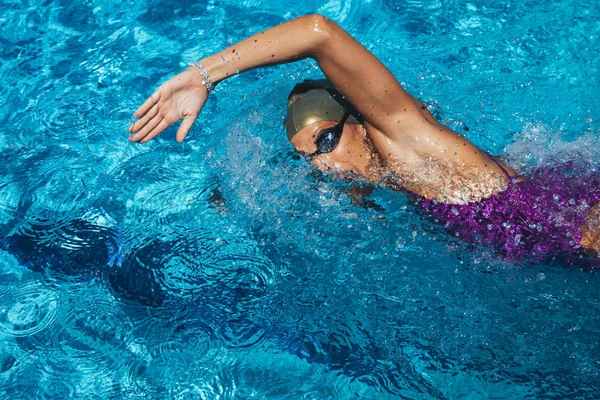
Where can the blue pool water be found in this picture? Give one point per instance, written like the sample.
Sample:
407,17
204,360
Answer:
227,268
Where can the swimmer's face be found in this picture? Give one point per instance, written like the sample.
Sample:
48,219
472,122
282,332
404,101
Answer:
348,156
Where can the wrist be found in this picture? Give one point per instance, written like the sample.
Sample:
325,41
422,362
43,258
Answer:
215,68
205,80
193,80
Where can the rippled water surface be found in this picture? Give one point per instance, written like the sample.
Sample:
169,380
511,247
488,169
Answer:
227,268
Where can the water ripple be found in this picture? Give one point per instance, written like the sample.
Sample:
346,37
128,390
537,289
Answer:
54,381
83,113
20,392
75,248
10,198
173,364
240,333
145,167
62,180
26,309
93,330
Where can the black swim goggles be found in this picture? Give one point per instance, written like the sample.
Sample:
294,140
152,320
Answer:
329,138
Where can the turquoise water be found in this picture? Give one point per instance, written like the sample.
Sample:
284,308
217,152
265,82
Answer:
226,267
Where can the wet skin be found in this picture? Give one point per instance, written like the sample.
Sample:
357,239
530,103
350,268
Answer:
365,151
356,154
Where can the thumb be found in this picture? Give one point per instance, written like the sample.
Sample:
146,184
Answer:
185,126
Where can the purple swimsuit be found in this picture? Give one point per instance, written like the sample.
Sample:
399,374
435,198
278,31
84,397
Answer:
531,220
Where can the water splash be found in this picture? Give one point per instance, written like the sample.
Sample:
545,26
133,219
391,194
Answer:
537,145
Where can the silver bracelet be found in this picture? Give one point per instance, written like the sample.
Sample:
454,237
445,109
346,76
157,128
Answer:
205,78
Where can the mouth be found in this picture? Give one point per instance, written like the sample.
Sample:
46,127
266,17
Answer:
343,171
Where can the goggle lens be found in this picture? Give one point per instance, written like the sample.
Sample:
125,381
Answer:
329,138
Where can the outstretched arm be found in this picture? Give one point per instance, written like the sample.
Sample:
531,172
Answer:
356,73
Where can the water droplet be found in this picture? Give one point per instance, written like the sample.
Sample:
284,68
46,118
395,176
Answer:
506,225
454,211
539,227
555,197
541,276
518,239
572,202
490,227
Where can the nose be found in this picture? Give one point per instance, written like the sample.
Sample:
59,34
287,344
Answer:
317,162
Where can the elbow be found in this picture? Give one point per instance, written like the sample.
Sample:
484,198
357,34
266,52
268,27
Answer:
322,28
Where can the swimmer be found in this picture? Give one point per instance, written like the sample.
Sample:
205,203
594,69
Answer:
360,122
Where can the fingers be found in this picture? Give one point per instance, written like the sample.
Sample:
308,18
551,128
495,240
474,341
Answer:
161,127
185,126
158,124
152,100
146,129
140,123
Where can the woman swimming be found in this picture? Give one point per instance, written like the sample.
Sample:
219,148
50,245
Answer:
361,122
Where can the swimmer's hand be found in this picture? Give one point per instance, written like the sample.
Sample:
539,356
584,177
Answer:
181,96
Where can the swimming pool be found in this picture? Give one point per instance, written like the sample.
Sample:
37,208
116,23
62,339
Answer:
226,267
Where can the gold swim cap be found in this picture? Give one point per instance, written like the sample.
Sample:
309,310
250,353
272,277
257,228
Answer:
316,101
